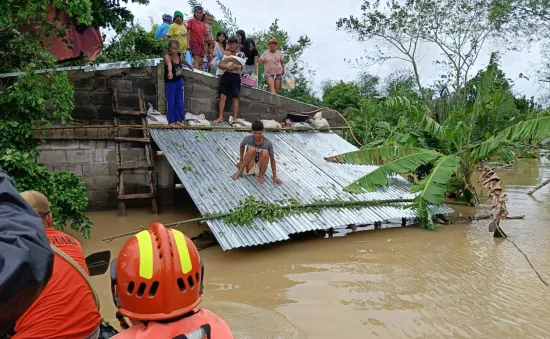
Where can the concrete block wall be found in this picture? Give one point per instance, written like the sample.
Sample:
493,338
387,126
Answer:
93,91
201,97
95,162
90,152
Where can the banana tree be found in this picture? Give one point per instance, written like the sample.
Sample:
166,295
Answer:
453,157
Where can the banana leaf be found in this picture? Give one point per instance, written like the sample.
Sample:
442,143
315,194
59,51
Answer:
375,155
434,186
401,165
533,129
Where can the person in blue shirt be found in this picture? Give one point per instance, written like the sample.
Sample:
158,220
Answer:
162,30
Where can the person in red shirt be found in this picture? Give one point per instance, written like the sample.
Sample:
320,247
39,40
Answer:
157,282
66,308
196,31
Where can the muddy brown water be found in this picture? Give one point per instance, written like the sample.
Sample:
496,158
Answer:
455,282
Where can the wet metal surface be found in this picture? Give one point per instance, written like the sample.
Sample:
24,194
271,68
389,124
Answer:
455,282
205,160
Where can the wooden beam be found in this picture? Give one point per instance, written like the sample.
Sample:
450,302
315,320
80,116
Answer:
39,128
247,129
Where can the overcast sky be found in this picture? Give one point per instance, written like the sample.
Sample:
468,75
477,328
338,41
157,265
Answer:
330,47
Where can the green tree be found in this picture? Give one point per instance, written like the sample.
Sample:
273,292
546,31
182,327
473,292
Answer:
45,97
449,151
368,84
111,14
459,30
135,45
341,96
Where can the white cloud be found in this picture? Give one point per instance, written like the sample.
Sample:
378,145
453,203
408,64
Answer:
330,47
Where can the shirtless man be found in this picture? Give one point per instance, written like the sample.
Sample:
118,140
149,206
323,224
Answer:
255,153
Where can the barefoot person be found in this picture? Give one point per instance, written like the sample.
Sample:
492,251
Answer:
173,81
230,69
255,153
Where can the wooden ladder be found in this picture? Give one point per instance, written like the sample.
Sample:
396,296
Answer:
146,140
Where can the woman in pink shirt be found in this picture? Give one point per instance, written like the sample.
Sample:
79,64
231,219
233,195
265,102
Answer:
274,66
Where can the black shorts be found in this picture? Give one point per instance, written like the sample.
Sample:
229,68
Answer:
230,84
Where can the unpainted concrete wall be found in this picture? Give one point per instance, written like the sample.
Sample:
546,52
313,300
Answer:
95,162
90,152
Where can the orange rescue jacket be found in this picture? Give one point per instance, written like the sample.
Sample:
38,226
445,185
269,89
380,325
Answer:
203,321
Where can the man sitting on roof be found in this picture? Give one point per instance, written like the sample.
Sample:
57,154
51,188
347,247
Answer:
255,153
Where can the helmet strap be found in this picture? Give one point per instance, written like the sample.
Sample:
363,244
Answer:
113,282
122,322
202,277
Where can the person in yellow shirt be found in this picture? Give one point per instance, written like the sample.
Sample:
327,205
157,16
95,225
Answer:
178,31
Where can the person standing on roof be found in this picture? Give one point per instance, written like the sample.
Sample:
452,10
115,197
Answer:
274,66
256,152
162,30
178,32
251,53
66,308
209,36
174,83
157,282
230,68
197,30
241,37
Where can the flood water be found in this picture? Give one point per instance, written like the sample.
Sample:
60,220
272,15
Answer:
455,282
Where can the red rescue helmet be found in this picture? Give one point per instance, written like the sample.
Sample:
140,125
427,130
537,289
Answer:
158,275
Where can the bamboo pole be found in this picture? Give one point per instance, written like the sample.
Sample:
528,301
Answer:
538,187
297,207
341,116
83,126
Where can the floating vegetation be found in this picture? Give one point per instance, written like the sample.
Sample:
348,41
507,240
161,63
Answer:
250,208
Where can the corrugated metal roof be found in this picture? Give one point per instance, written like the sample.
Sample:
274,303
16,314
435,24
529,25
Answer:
205,161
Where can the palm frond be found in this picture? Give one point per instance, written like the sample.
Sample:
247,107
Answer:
375,155
486,149
403,139
434,186
374,143
534,129
383,125
401,165
432,127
